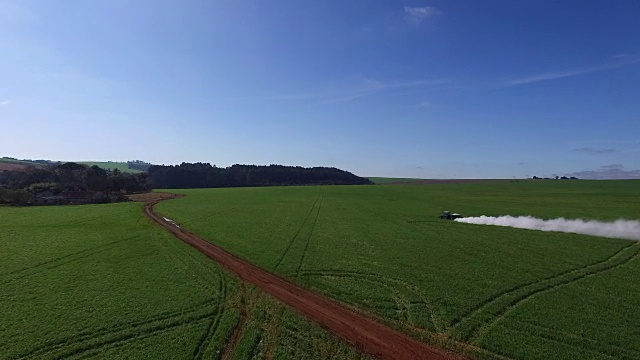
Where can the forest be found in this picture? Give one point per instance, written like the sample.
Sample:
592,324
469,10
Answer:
204,175
67,183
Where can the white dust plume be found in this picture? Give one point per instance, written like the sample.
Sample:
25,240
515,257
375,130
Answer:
621,229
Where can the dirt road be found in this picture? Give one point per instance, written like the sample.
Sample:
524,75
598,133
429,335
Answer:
367,335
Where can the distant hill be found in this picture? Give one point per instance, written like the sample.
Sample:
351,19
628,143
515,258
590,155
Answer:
132,167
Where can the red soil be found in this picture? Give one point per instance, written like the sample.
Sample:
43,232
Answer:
366,334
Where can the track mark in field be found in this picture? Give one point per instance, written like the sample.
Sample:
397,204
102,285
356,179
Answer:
205,340
91,351
632,254
238,328
272,328
119,330
495,297
313,226
56,262
474,325
293,239
362,331
76,346
577,341
378,279
85,336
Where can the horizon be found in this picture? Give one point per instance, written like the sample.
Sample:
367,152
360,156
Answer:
602,175
418,89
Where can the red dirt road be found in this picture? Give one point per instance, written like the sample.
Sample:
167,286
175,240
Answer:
367,335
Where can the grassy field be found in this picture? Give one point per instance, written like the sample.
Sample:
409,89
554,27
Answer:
14,161
382,249
385,180
107,165
99,281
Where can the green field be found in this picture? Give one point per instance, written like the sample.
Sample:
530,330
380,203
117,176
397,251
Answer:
5,160
99,281
382,249
107,165
386,180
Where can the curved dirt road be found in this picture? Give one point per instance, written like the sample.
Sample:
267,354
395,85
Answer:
367,335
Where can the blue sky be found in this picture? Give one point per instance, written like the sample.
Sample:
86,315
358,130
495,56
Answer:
430,89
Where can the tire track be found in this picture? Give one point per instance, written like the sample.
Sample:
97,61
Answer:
204,341
313,226
469,313
78,346
364,333
472,327
293,239
72,257
238,328
437,324
577,341
397,299
88,336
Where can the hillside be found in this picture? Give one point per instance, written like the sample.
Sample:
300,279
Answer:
133,167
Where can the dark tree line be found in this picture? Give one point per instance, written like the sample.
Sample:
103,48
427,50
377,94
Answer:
24,186
138,165
203,175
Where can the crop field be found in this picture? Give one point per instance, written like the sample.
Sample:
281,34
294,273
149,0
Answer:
385,180
100,281
492,292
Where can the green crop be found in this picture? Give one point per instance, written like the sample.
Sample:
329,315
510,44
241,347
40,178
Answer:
383,250
101,281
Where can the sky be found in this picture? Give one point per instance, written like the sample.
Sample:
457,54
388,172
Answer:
426,89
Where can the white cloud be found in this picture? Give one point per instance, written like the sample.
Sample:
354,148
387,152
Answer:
416,15
5,102
616,62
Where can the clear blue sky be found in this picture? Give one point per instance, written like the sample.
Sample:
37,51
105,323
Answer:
431,89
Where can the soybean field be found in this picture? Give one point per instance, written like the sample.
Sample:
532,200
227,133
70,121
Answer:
100,281
486,291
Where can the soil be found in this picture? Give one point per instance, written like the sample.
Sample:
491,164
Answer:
364,333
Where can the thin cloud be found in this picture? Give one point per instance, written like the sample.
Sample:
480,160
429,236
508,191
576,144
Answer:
592,150
616,62
416,15
608,172
349,91
5,102
372,86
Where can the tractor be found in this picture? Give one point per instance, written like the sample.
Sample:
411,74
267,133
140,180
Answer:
447,215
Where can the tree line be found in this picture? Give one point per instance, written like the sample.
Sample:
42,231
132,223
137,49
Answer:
23,187
204,175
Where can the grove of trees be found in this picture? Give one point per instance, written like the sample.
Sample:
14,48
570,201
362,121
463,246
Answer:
21,187
204,175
